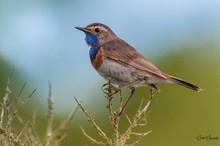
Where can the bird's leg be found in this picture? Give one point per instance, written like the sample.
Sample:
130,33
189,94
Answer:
151,92
132,90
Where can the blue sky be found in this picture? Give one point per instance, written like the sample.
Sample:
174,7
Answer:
39,39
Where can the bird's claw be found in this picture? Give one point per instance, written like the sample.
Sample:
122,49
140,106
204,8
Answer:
109,89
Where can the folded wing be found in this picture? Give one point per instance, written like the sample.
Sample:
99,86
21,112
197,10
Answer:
121,52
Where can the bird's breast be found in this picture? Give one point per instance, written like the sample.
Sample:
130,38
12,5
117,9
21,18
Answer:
96,57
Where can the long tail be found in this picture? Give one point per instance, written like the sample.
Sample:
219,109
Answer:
181,82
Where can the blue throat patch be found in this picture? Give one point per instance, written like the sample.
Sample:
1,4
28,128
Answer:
92,40
92,52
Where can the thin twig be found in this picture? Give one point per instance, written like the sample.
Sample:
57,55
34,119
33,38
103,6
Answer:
65,125
6,106
21,91
92,139
101,133
23,102
118,138
49,117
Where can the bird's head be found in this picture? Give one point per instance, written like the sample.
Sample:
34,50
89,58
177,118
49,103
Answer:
97,34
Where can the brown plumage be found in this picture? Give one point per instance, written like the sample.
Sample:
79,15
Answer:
121,52
115,59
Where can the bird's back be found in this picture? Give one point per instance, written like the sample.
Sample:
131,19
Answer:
121,52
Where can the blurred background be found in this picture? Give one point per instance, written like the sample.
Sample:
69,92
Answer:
181,37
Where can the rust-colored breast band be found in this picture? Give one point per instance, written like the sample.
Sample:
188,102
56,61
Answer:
97,62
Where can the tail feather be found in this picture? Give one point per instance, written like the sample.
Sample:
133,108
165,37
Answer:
181,82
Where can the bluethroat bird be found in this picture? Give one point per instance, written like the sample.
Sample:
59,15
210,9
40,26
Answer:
116,60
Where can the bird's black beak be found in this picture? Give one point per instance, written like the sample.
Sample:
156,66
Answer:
84,29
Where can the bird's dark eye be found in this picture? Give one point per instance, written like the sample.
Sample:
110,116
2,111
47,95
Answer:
97,30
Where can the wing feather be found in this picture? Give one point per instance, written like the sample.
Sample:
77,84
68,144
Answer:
121,52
